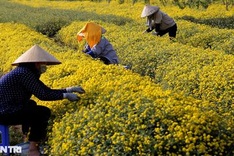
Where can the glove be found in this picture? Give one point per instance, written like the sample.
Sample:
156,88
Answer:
155,33
75,89
71,96
144,32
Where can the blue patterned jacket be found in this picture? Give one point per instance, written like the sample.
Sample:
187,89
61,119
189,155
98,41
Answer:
17,87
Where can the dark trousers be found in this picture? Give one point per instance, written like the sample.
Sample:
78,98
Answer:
171,31
105,60
32,117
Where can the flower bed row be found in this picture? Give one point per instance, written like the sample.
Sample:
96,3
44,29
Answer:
121,112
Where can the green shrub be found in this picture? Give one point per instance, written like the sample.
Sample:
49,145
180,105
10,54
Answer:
51,27
16,135
120,1
213,38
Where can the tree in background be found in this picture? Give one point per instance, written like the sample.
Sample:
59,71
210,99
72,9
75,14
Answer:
228,3
193,3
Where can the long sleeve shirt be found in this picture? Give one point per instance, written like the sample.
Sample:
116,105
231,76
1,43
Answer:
161,19
103,49
17,87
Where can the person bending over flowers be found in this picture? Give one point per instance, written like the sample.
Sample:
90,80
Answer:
97,46
16,89
159,21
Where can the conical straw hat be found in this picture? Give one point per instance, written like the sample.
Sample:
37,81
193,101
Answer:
149,10
36,54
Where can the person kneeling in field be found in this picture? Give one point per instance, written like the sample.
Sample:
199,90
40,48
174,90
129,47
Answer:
97,45
16,89
159,21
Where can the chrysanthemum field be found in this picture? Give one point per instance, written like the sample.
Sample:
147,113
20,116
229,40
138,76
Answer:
177,98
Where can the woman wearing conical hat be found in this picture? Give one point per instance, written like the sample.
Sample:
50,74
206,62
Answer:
16,89
97,45
158,21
